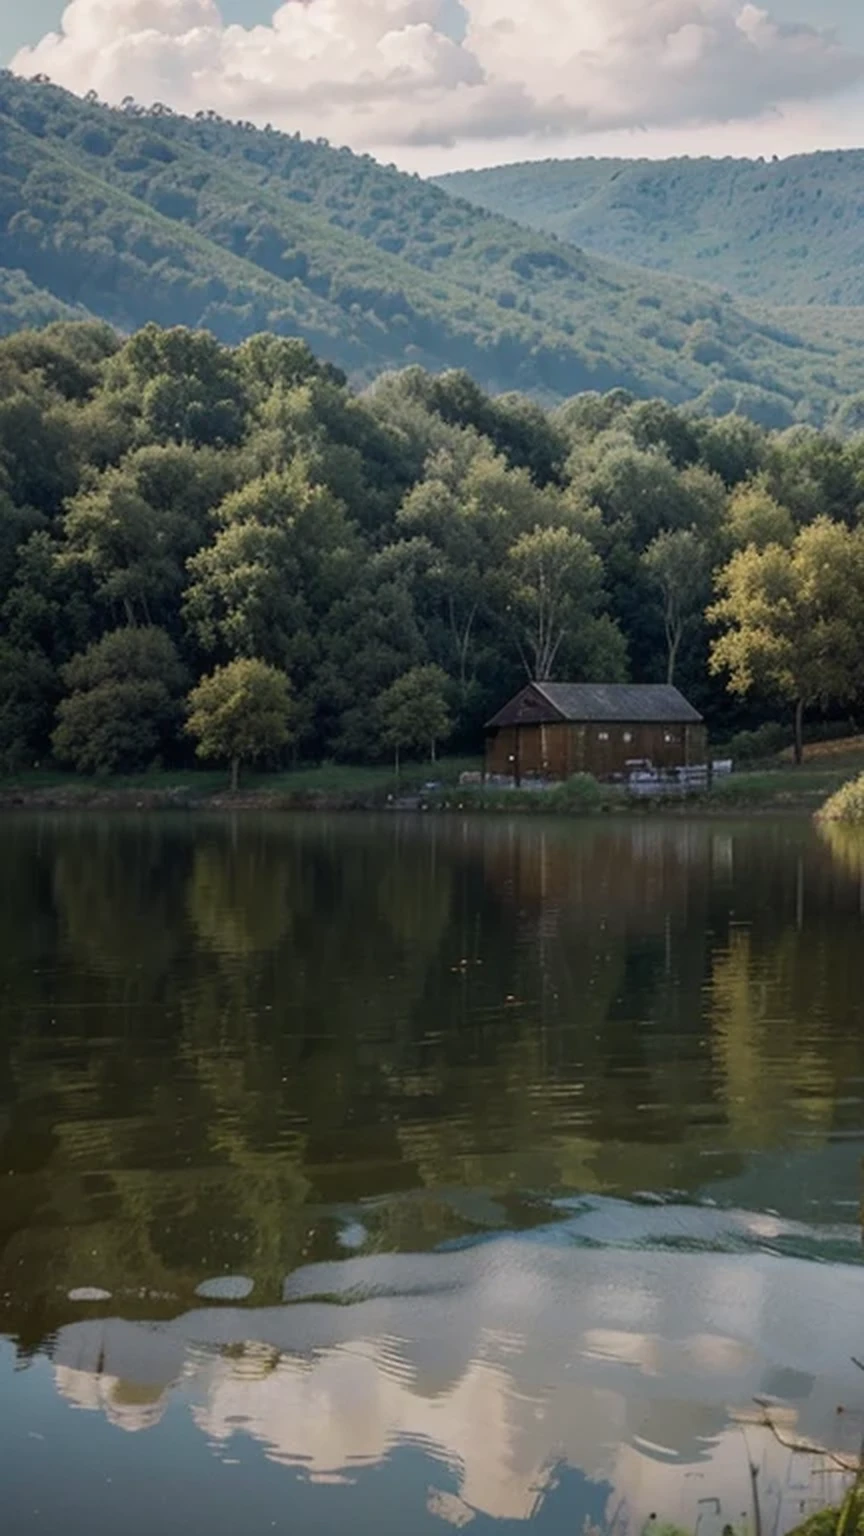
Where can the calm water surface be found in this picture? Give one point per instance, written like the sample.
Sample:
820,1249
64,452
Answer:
394,1174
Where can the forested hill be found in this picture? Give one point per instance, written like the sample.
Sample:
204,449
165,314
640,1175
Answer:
131,216
789,231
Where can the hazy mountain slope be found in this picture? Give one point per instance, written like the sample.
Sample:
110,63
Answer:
138,216
789,228
23,305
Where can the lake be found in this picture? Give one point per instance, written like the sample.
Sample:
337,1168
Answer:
393,1173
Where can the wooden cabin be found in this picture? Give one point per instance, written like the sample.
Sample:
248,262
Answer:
552,730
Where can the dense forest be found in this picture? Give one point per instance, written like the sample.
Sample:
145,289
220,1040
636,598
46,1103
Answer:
131,216
189,530
756,228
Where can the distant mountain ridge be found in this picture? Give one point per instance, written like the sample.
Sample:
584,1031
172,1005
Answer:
134,216
788,231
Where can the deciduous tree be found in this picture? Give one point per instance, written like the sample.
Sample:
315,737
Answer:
677,563
555,583
793,619
754,516
413,712
240,712
122,708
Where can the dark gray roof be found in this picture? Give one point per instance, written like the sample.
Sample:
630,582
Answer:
629,703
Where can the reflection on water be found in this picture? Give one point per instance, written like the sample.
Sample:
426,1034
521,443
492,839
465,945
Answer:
505,1360
493,1173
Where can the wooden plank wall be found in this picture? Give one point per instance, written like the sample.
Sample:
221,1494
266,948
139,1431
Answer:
557,751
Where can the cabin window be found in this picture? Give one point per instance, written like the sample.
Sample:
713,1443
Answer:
669,737
602,735
628,737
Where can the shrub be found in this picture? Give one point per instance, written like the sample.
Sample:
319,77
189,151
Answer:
846,805
755,746
581,792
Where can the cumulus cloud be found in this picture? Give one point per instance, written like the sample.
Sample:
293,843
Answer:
399,72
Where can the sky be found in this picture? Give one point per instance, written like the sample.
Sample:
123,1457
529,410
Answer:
445,84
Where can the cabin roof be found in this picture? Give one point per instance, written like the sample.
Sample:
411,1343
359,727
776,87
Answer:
588,703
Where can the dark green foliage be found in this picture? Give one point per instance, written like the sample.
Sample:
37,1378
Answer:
122,707
581,792
144,217
29,690
170,506
761,744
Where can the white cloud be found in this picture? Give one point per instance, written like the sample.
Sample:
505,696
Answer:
395,74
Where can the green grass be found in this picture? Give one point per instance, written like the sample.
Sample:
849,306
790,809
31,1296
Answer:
779,786
580,795
326,779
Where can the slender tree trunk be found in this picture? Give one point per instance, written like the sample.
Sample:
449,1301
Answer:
235,774
396,755
130,612
674,642
799,732
462,641
432,751
530,673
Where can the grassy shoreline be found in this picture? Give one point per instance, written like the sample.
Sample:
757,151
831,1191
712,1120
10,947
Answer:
338,787
330,786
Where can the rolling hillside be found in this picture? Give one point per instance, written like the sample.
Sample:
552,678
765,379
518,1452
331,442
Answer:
791,229
23,305
133,216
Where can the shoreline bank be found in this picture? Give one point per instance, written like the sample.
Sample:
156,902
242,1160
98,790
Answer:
750,794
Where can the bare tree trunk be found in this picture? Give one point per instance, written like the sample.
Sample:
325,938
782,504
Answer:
235,775
799,732
397,761
673,638
432,751
530,673
462,641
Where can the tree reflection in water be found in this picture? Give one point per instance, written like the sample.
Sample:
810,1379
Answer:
262,1046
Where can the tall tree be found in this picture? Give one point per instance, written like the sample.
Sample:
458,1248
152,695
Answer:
263,586
467,525
793,619
132,551
186,387
677,563
754,516
554,580
122,707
